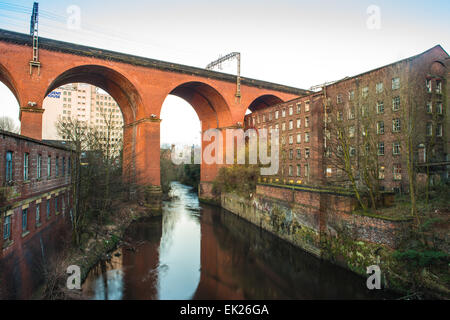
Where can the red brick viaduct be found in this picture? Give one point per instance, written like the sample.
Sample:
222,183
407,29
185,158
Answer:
139,85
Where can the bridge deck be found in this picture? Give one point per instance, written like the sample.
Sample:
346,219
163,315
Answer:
71,48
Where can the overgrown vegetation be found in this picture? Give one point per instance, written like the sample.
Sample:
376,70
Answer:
239,179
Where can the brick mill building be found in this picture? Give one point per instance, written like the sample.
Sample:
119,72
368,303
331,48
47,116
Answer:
35,204
297,122
378,104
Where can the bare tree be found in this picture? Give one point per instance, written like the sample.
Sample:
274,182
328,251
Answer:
8,124
110,146
77,133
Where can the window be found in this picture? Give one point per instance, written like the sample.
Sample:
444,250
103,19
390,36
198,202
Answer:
291,139
364,110
351,113
26,157
307,106
299,107
379,87
49,166
339,98
380,127
439,130
276,114
395,83
429,129
39,166
306,122
380,107
396,104
352,151
270,116
57,166
396,125
397,170
299,137
381,149
290,171
283,113
48,209
283,126
329,171
381,173
396,148
438,86
9,171
306,153
351,132
299,170
299,123
428,84
299,154
68,164
429,107
291,124
291,111
439,108
351,95
38,213
56,204
24,220
307,170
291,154
63,166
365,92
307,137
7,228
264,118
340,116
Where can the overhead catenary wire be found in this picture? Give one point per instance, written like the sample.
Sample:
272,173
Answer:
56,25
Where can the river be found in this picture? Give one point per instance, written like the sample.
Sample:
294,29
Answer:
197,251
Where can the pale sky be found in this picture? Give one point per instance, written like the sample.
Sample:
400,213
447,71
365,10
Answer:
296,43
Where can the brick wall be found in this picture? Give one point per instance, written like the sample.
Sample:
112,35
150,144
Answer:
303,217
32,193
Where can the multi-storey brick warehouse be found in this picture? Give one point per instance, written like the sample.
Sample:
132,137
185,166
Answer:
374,110
298,122
386,105
35,206
35,187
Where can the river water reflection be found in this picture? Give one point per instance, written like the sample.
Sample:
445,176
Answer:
196,251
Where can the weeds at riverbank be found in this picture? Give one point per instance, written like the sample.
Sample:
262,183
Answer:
98,241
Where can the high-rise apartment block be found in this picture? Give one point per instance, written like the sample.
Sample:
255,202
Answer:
86,103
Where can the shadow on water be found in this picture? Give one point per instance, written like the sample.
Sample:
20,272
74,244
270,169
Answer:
202,252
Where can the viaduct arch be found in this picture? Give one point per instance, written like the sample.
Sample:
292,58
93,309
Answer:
139,85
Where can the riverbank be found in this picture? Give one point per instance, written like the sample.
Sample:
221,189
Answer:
327,225
97,242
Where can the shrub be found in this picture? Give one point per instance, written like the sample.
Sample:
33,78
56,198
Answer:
237,178
421,258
